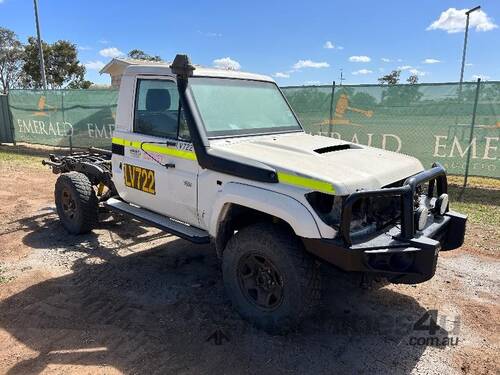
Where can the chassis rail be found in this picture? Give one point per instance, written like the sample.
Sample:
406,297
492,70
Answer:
95,164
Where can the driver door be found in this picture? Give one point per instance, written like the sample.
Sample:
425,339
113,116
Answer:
159,166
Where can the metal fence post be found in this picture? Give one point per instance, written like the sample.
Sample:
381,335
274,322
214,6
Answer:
330,122
471,136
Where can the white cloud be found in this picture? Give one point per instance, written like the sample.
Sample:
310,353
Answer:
362,71
111,52
399,60
417,72
310,64
453,20
404,67
311,83
103,41
363,59
469,64
282,75
83,48
94,65
431,61
385,59
227,63
328,45
482,76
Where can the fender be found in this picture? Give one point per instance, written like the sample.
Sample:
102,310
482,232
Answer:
270,202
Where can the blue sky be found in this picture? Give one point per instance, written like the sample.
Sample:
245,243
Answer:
290,40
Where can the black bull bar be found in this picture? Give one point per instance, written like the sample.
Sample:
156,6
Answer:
403,255
436,176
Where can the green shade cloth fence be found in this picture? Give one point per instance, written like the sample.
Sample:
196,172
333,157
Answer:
78,118
429,121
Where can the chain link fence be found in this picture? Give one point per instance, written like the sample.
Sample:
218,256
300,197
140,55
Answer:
429,121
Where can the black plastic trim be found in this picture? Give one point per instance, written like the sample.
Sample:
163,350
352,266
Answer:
117,149
327,149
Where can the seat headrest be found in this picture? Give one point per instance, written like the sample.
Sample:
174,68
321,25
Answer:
157,100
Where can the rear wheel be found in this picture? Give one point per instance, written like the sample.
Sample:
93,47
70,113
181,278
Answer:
271,280
76,202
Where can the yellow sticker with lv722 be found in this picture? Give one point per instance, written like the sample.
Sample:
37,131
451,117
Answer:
139,178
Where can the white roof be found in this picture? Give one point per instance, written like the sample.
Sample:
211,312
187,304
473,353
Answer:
163,68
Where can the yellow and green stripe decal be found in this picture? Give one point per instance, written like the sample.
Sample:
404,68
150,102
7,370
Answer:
190,155
285,178
305,182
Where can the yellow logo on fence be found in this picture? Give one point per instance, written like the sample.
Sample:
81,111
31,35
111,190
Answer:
340,110
43,107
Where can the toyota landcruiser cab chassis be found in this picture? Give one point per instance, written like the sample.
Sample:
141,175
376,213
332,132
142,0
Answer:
214,155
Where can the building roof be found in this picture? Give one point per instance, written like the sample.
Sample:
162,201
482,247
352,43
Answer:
124,62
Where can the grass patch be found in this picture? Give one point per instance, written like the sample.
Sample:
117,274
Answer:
9,157
475,182
26,155
479,203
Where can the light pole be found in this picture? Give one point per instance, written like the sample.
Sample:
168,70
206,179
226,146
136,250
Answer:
40,49
465,44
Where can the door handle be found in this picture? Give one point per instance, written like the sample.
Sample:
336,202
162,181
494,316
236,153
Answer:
169,165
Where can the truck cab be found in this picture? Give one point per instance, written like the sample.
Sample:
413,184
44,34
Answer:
219,156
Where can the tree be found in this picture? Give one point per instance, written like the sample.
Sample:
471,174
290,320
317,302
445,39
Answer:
11,53
412,80
141,55
391,79
61,64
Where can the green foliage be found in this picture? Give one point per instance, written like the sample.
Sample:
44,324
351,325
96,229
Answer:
61,63
412,80
141,55
11,53
390,79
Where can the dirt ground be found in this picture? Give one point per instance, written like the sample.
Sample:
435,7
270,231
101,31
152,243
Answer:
127,298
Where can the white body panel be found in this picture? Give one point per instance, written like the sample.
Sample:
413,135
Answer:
360,167
197,196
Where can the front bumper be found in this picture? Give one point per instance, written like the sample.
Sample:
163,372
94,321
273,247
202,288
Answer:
402,255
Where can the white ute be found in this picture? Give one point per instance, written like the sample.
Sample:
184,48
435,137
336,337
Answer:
216,155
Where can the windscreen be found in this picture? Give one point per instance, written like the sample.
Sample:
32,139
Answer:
231,107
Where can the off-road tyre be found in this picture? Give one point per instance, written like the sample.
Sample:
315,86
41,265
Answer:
76,202
296,270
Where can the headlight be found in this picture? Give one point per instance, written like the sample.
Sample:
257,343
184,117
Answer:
441,205
421,217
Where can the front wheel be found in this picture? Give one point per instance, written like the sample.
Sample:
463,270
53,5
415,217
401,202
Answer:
269,277
76,202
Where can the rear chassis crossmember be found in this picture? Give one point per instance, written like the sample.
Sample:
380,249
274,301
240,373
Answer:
403,256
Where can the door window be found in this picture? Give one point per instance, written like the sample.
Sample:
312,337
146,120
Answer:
157,108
